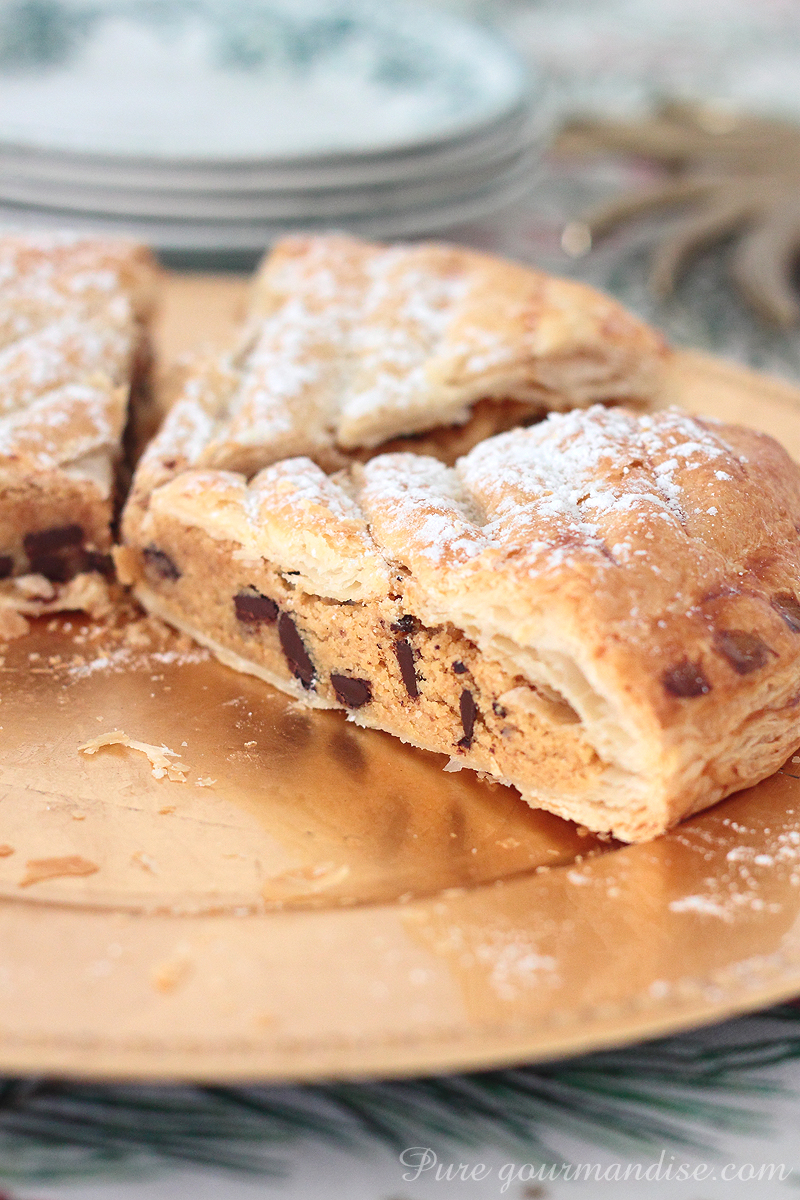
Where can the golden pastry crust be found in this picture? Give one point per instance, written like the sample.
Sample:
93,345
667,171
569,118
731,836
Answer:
72,345
603,609
349,345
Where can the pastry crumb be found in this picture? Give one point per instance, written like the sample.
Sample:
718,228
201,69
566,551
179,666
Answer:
159,756
169,975
12,625
206,781
34,595
311,878
39,869
145,862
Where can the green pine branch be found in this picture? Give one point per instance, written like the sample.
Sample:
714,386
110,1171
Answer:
680,1091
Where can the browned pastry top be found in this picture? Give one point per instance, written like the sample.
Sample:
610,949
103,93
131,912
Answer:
350,344
69,314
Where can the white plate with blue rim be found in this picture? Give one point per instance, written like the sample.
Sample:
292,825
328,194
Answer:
190,237
210,81
207,123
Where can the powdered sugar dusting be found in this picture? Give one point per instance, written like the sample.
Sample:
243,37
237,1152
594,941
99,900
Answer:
514,963
417,493
744,879
67,339
61,426
350,344
574,474
302,481
406,315
551,491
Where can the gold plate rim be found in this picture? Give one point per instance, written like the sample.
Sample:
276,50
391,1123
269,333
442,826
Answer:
398,994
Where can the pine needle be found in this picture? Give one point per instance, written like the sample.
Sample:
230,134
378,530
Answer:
680,1091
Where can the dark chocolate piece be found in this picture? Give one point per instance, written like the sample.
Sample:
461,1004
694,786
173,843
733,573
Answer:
685,681
57,568
469,711
6,565
498,709
350,691
295,652
93,560
255,609
69,562
161,563
744,651
459,668
406,624
788,606
48,541
405,658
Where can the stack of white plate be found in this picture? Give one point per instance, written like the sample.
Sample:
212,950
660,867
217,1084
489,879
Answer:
219,124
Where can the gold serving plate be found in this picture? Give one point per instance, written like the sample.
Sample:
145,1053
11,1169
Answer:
307,899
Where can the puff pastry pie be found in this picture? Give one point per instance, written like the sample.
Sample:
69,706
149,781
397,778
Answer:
349,346
602,610
71,347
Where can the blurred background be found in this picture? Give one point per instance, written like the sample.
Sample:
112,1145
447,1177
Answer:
208,127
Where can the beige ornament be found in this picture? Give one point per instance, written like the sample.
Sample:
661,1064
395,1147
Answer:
736,176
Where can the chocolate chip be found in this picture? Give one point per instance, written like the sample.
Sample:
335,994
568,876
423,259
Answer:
64,564
6,565
685,681
788,606
161,563
296,654
255,609
405,658
48,541
406,624
350,691
469,711
498,709
459,668
93,560
744,651
56,567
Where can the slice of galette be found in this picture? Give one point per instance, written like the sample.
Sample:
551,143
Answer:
350,348
602,610
72,350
